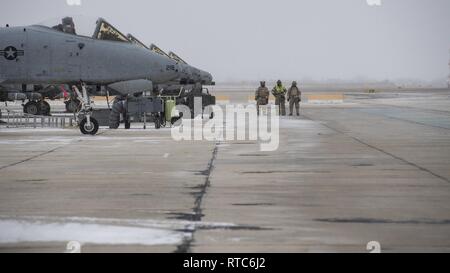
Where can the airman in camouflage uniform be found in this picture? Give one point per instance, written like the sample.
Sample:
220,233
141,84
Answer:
294,96
279,91
262,95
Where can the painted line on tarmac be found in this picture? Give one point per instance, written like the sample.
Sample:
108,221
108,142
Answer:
445,179
41,154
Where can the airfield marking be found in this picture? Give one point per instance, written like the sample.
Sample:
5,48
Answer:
42,154
31,158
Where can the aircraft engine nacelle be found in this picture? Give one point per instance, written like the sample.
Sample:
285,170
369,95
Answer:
132,87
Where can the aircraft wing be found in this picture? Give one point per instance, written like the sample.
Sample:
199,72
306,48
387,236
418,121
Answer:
105,31
176,58
135,40
158,50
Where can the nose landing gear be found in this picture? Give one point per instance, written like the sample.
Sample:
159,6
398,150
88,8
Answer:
89,129
88,124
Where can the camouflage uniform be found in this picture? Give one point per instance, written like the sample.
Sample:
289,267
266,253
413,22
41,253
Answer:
279,91
294,97
262,96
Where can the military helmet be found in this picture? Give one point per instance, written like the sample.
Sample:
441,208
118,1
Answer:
279,82
68,21
294,83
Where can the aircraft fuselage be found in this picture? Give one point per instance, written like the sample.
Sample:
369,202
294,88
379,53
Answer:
40,55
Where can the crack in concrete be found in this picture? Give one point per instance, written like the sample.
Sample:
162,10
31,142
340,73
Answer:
383,221
196,216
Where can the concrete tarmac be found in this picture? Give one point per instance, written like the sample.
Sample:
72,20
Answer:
373,168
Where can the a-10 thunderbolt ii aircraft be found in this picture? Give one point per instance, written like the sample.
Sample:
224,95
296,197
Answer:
36,54
190,83
198,75
189,75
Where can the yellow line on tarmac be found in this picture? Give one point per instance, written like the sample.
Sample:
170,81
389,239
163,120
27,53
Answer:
325,96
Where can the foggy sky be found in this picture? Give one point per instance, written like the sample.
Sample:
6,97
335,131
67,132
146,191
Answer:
268,39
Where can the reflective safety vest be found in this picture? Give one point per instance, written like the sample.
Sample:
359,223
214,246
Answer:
279,89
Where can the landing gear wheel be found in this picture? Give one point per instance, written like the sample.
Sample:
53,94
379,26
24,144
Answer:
89,130
32,108
73,106
45,108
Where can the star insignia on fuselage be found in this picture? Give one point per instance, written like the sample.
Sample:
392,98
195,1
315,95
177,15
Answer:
11,53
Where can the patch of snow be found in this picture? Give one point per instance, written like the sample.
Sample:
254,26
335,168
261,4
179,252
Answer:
104,231
13,231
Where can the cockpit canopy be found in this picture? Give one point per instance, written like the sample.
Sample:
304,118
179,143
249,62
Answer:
105,31
176,58
83,27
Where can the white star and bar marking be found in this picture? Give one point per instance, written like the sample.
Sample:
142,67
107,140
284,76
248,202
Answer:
11,53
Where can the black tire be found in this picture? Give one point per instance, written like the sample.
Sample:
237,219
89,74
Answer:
73,106
85,130
32,108
45,108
